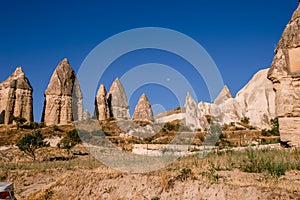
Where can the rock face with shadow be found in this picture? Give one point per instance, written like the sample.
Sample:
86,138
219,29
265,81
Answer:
63,97
143,111
117,101
16,98
285,75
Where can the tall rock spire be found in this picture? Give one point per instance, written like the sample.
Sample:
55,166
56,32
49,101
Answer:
102,110
16,98
117,101
143,111
192,113
285,74
63,97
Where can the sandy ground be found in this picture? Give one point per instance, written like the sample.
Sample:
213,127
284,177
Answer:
107,184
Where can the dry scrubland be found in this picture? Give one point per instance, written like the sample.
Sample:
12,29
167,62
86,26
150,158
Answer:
57,174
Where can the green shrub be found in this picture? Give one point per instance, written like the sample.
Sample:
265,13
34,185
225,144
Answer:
245,120
185,174
171,127
71,140
275,128
56,128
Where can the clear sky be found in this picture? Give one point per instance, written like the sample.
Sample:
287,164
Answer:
240,36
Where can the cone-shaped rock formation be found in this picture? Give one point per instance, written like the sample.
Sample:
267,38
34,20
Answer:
117,101
63,97
143,111
16,98
102,110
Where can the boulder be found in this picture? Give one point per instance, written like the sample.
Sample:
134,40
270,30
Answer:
285,75
16,98
143,111
102,110
63,97
117,101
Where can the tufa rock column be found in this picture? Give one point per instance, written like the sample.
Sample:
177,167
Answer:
102,110
143,111
63,97
16,98
117,101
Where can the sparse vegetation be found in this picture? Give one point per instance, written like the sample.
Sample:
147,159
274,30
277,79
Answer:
19,121
274,128
56,128
213,134
70,140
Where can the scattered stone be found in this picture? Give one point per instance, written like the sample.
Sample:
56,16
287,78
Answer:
16,98
63,97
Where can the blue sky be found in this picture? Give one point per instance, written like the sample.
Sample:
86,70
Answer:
240,36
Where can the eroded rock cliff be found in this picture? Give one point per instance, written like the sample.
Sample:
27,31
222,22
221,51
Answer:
285,74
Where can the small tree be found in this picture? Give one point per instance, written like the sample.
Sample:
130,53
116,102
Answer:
19,121
31,142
